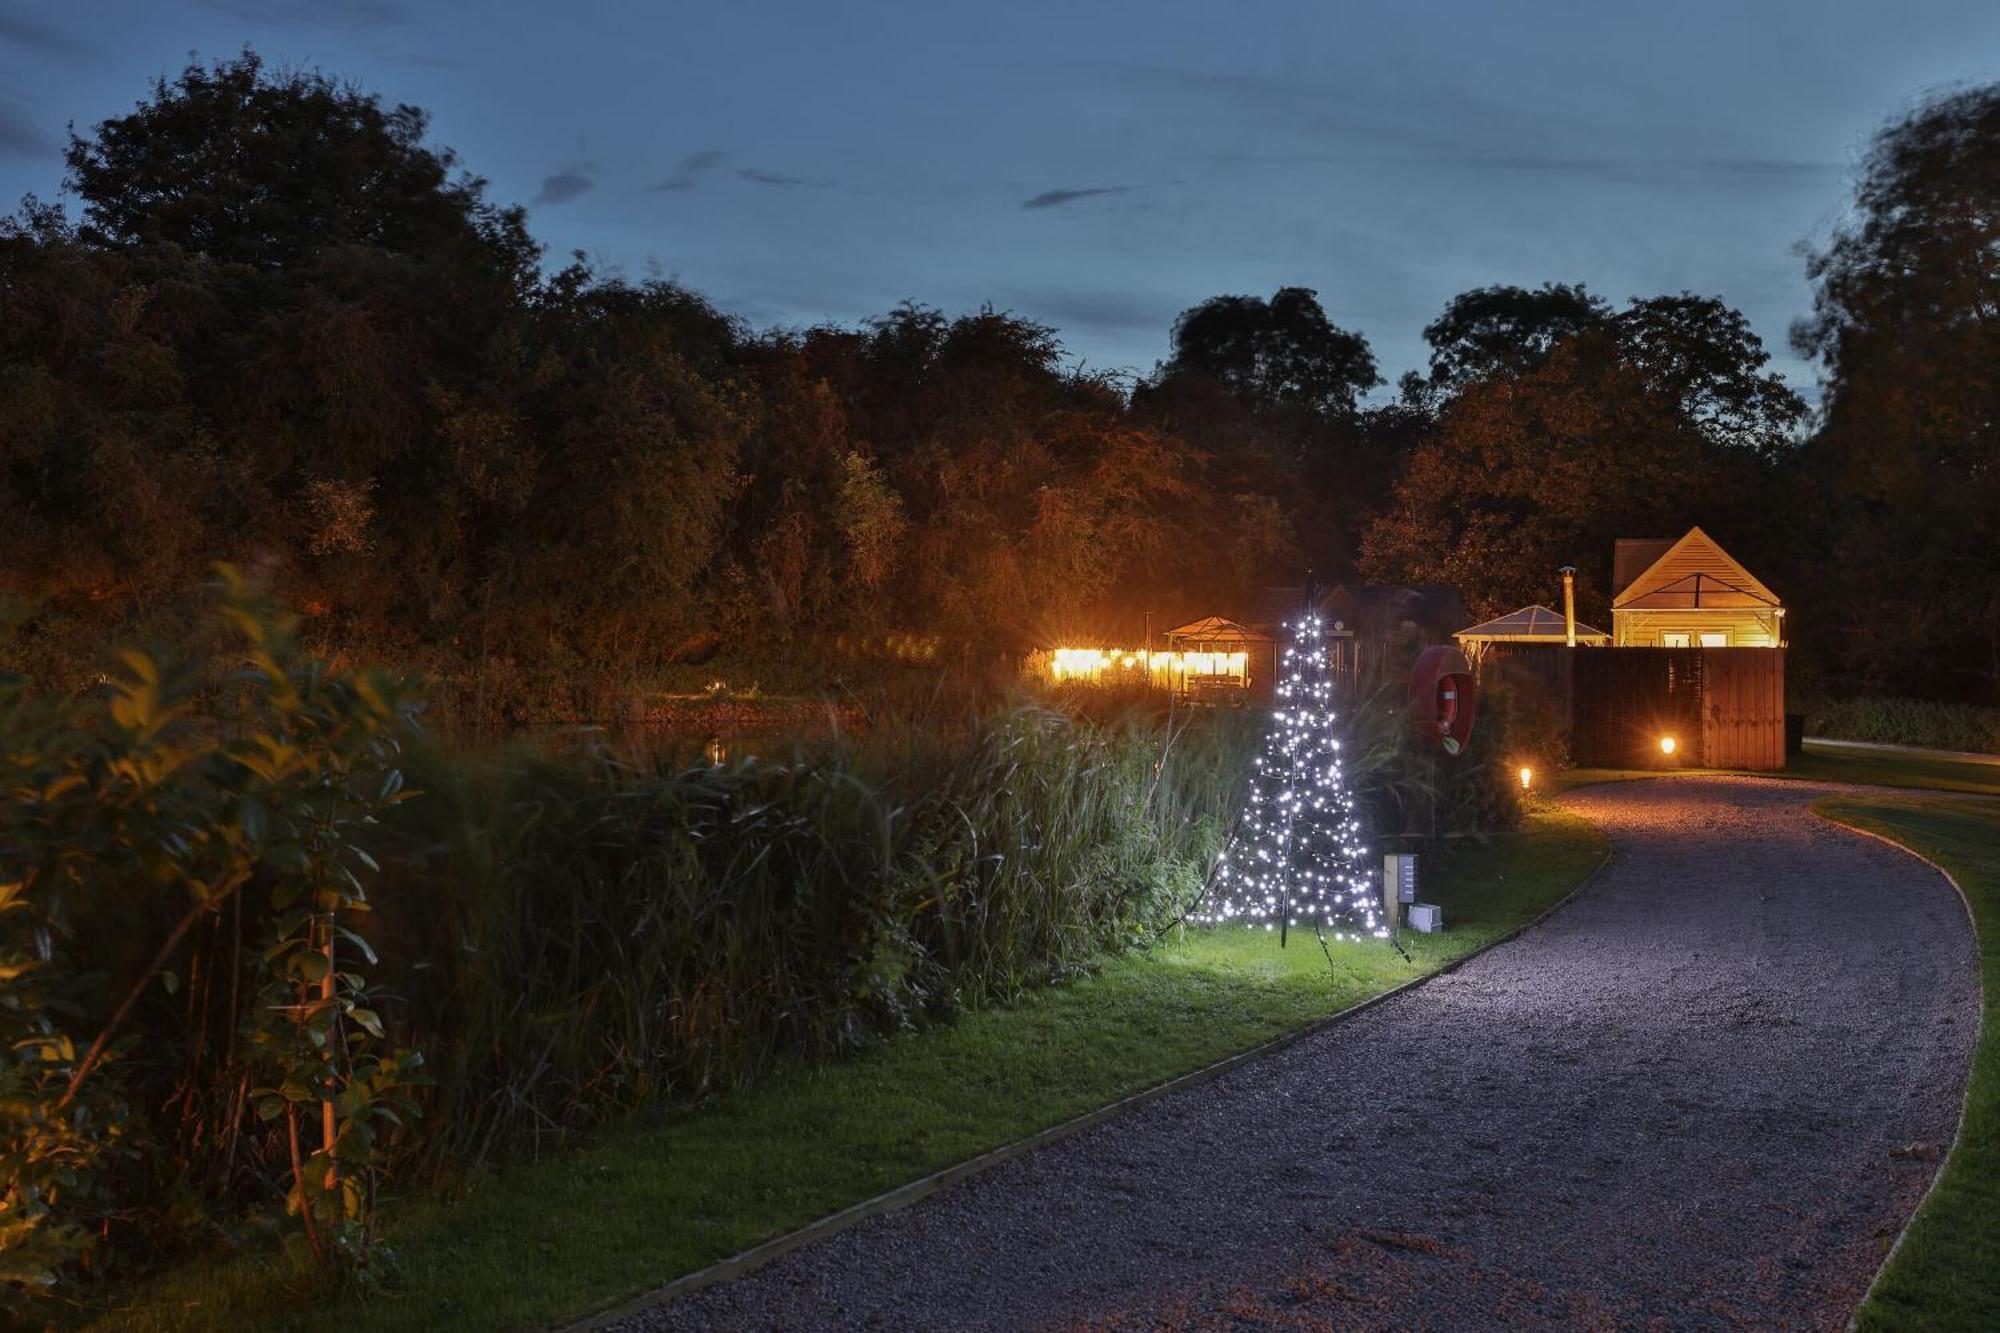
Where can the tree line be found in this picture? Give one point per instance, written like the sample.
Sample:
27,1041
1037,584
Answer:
285,330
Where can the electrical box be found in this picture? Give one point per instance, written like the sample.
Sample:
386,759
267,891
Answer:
1427,918
1399,877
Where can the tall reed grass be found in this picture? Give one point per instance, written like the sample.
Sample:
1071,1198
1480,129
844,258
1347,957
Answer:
585,936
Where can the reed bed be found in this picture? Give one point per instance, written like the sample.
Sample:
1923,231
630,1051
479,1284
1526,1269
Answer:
583,937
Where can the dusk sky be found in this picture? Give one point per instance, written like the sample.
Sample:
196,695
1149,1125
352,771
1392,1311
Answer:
1100,167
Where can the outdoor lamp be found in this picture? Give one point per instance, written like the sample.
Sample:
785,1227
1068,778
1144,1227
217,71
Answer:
1527,777
1667,744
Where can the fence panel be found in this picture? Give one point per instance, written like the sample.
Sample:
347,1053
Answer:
1626,699
1743,708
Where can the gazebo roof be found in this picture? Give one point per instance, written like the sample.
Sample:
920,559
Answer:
1214,629
1531,624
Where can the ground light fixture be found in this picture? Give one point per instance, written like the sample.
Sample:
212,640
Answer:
1668,745
1527,778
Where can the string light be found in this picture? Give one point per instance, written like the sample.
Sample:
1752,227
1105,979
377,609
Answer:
1298,857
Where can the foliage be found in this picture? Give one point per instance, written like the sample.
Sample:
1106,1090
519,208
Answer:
670,931
135,821
326,166
1523,473
1922,722
1500,332
664,1195
1906,470
1281,352
205,867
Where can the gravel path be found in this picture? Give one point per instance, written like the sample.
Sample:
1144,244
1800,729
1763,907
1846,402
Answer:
1706,1094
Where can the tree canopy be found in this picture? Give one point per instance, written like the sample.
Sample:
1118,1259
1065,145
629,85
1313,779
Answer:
1280,352
289,332
1906,323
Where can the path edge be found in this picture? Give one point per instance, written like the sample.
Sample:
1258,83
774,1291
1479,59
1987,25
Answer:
902,1196
1965,1098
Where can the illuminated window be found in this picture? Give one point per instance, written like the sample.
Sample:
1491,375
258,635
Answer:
1715,640
1674,640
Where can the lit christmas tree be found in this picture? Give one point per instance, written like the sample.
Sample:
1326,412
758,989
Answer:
1297,857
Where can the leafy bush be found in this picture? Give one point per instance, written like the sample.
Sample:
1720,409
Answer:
135,821
201,870
1937,726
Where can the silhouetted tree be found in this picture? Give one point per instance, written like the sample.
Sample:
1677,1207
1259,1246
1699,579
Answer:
1528,472
1907,326
242,164
1281,352
1500,330
1701,354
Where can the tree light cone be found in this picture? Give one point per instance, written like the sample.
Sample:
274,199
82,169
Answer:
1298,857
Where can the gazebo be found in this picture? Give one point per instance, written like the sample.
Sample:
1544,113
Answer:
1213,654
1529,625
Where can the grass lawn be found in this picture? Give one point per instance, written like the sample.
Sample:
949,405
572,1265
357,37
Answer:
1881,770
645,1202
1947,1273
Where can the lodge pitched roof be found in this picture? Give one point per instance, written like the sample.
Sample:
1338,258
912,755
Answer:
1693,572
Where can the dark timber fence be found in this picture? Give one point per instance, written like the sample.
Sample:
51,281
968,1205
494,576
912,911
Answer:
1724,707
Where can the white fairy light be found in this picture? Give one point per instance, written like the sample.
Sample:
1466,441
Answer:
1298,858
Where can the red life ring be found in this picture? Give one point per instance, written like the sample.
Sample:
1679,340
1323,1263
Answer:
1443,699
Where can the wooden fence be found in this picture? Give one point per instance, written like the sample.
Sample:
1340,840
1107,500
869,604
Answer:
1724,707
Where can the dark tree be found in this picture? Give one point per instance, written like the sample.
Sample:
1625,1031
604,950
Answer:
1701,354
1529,472
1278,353
246,165
1907,326
1501,331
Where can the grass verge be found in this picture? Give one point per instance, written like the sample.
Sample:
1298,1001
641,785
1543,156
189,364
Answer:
1879,770
1946,1274
544,1242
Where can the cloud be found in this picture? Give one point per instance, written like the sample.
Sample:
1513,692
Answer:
1098,310
692,168
761,177
19,136
18,31
577,179
1057,198
330,13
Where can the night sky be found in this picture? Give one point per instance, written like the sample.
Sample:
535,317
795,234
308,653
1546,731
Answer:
1100,166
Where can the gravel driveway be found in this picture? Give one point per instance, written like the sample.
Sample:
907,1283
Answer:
1705,1094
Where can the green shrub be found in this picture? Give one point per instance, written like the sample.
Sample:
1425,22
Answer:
200,870
139,1093
1938,726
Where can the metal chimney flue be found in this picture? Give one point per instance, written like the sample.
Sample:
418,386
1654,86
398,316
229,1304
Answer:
1569,603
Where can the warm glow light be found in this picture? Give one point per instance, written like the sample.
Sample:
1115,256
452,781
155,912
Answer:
1667,744
1527,777
1166,670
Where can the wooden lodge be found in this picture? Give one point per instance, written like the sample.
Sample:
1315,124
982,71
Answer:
1689,593
1695,675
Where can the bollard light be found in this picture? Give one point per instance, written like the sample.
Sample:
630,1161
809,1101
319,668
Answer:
1527,778
1667,744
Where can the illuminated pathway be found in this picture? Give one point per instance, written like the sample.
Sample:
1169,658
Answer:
1706,1093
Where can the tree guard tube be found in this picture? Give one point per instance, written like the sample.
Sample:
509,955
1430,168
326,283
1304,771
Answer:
1443,699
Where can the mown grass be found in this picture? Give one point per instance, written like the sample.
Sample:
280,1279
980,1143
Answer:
1946,1275
1879,770
663,1195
